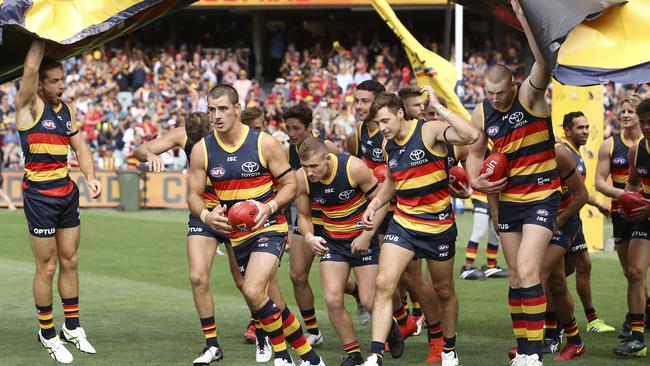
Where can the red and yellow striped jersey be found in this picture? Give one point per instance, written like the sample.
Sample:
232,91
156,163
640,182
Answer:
619,149
528,142
45,147
642,162
567,195
239,174
294,161
209,196
421,183
341,202
369,147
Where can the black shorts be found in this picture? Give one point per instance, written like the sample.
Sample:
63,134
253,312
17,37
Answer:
513,216
622,229
197,227
641,230
384,224
46,214
566,235
272,243
579,244
481,207
340,251
439,247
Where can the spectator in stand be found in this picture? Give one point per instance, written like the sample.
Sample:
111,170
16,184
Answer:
243,85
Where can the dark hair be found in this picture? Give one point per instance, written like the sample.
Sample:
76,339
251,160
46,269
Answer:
310,147
373,86
299,112
46,65
197,125
643,107
251,113
389,100
409,92
567,122
223,89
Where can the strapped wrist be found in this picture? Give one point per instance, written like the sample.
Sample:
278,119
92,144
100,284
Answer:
204,213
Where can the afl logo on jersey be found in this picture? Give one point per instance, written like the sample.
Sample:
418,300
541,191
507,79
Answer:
49,124
619,160
392,163
346,195
492,131
217,172
363,149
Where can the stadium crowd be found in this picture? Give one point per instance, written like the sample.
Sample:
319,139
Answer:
124,96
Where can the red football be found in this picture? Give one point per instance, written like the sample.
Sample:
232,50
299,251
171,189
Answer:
381,172
458,175
498,164
241,215
630,200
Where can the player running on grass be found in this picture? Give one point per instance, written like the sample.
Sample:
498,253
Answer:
340,187
525,203
242,164
423,225
202,241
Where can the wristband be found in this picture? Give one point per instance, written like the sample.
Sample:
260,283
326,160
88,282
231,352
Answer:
274,206
204,213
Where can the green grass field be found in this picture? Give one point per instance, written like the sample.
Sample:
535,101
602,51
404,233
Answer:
136,303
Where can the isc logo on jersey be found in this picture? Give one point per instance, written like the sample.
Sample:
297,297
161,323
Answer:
217,172
49,124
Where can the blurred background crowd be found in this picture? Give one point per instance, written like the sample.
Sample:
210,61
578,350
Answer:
129,92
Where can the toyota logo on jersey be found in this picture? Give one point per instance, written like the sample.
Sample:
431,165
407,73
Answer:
345,195
416,155
250,167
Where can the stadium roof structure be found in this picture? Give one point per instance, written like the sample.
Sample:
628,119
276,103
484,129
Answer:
70,27
305,4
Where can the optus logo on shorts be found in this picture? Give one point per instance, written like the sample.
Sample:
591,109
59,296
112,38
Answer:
48,124
50,231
